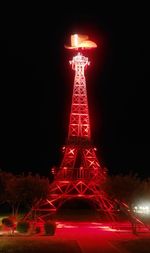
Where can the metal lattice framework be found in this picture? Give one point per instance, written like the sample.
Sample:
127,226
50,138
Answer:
80,174
79,117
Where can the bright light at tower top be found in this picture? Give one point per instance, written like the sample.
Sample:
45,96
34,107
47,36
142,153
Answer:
80,41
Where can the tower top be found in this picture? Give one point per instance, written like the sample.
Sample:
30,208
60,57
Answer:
80,41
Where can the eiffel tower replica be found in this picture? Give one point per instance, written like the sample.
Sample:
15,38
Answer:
80,175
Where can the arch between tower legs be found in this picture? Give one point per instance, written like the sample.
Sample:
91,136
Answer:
62,192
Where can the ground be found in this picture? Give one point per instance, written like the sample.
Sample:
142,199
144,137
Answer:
80,237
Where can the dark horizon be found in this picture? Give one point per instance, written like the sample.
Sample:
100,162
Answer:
37,81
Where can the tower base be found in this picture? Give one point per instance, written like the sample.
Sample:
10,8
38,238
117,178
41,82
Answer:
111,211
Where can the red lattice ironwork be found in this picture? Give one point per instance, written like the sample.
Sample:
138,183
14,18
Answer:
79,118
80,174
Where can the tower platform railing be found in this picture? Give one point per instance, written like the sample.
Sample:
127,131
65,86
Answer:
75,173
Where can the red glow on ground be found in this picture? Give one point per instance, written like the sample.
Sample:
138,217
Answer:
71,227
94,237
85,226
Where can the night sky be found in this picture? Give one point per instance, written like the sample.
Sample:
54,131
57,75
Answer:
36,86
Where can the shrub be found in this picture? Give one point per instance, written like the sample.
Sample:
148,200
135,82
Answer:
23,226
37,230
49,227
8,222
13,218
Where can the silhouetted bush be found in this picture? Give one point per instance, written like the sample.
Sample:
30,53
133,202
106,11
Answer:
7,222
37,230
23,226
49,227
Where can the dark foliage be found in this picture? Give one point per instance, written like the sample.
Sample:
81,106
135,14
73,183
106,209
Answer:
49,227
8,222
37,230
21,190
23,226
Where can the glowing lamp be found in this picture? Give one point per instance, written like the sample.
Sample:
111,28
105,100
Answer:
142,209
53,170
81,41
63,149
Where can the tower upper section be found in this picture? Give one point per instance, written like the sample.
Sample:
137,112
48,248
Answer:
79,127
79,118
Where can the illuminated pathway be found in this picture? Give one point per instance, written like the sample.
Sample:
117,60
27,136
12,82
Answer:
93,237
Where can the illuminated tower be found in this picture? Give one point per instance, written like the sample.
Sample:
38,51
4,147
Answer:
80,174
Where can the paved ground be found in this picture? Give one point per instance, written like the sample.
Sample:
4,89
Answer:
97,238
80,237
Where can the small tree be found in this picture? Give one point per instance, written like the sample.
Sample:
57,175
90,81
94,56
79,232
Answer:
145,190
5,177
23,190
9,224
34,189
123,187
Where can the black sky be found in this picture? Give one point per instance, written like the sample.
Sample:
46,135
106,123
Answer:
36,85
